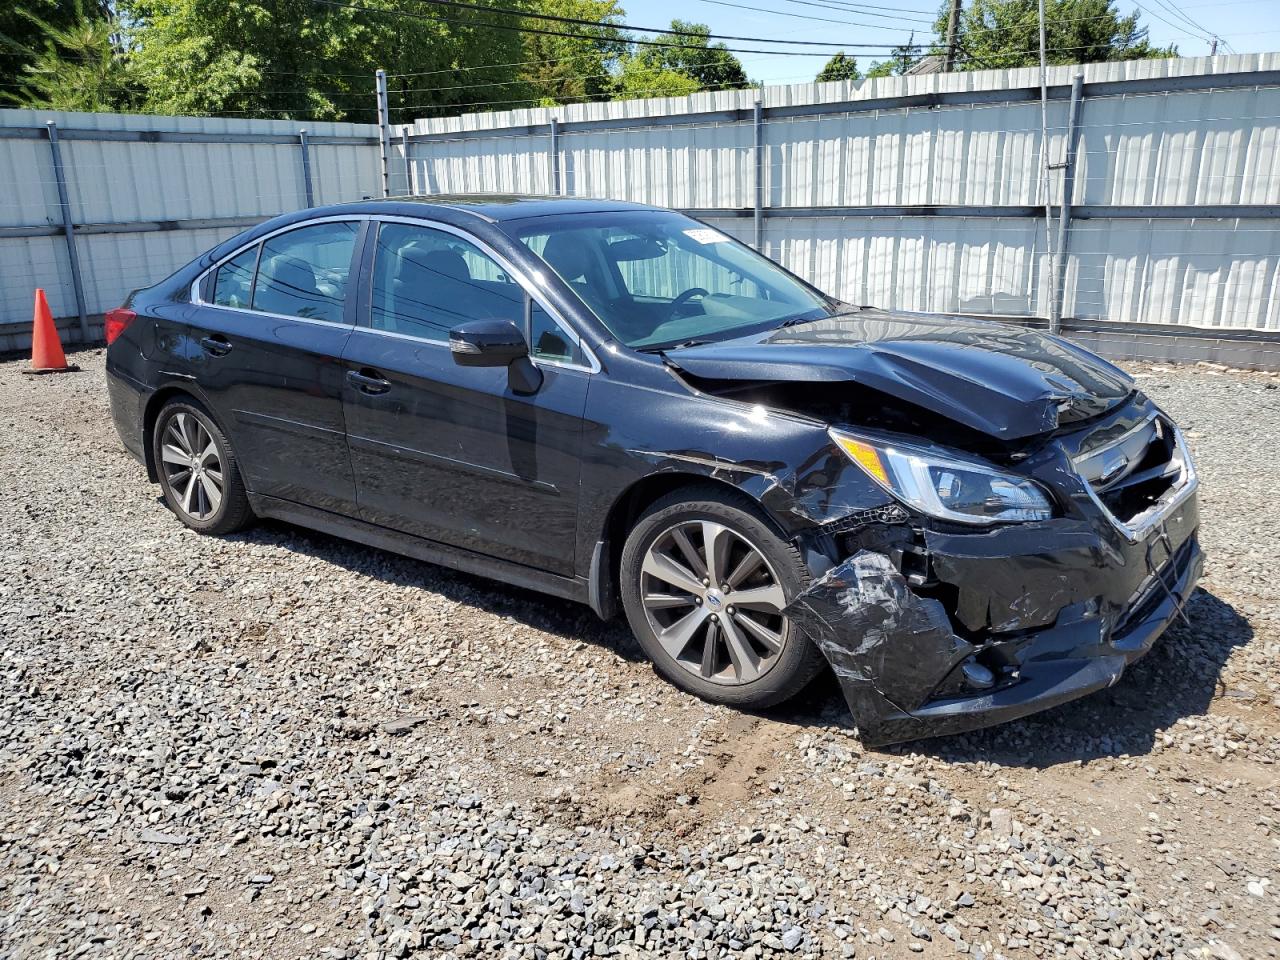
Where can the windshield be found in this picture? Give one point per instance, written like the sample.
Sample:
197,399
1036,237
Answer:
658,279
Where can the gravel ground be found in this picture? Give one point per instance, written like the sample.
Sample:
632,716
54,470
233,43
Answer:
283,745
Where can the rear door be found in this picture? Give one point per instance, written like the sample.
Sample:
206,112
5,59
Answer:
451,453
271,324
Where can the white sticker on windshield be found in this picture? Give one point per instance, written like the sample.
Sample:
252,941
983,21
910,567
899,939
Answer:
706,235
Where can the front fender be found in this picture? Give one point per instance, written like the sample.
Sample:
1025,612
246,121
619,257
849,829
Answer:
785,463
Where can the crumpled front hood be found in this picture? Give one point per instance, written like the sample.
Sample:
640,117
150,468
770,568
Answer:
1002,380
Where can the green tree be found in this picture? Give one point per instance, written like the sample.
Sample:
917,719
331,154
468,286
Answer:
643,77
183,60
708,64
1006,33
901,59
567,70
79,63
840,67
25,26
299,59
466,67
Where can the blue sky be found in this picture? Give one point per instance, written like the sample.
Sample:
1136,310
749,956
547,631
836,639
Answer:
1247,26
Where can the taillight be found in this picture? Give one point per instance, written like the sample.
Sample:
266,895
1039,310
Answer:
117,322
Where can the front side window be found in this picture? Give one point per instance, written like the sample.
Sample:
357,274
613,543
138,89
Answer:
305,272
427,281
234,283
548,341
657,279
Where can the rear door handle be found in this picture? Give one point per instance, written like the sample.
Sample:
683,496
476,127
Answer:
368,381
217,346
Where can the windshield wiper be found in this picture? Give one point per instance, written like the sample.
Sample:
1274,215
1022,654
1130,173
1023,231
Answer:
793,321
663,348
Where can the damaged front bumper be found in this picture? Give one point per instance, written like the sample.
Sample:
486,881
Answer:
1003,624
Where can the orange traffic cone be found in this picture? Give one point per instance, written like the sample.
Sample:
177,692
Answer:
46,348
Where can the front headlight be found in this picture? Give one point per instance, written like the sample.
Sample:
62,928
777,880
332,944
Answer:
963,490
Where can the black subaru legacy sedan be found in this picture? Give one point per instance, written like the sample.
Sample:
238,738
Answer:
624,407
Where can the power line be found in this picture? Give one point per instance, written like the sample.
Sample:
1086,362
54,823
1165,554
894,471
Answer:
578,21
508,83
1166,21
841,5
802,16
1226,3
576,98
602,96
410,14
312,73
1177,12
485,66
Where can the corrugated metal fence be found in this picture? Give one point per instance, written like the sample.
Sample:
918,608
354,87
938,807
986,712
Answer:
926,193
144,195
915,192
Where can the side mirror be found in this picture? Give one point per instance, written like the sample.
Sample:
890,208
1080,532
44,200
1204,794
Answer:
487,343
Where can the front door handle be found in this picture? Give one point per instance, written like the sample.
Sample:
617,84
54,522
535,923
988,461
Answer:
368,381
216,345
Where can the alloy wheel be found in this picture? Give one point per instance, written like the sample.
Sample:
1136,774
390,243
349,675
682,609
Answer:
713,602
192,466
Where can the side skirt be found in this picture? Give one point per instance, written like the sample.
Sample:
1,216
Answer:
454,558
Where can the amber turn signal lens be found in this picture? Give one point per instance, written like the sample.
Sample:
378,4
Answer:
865,456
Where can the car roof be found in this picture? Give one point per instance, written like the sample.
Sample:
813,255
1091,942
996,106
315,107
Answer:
493,207
458,209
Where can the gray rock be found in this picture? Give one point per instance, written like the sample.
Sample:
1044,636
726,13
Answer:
147,835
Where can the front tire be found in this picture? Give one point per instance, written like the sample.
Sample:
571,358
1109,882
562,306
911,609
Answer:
704,580
198,470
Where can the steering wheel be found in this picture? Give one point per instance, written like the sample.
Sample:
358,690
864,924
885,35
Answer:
687,296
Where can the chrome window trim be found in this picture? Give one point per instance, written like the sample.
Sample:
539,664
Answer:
1154,516
195,284
520,277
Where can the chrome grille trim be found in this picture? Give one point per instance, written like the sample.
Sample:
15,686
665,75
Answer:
1182,487
1096,466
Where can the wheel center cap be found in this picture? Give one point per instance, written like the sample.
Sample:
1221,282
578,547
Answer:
714,599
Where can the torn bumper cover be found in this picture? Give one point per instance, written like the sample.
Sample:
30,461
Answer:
1009,622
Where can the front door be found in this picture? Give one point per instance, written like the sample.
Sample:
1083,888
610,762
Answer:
271,336
452,453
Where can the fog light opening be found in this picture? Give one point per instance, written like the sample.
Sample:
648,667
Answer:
977,675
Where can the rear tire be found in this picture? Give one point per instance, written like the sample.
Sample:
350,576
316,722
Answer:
198,470
730,646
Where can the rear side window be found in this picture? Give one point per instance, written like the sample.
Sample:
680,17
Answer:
235,280
305,272
425,282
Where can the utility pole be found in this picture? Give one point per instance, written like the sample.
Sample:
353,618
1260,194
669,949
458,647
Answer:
384,130
1044,169
953,24
1064,211
1213,47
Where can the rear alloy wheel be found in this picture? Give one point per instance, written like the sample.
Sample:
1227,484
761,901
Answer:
198,472
705,582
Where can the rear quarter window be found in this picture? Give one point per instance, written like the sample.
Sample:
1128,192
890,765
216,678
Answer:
234,282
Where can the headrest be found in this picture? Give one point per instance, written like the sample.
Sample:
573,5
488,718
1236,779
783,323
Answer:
415,259
291,273
567,257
